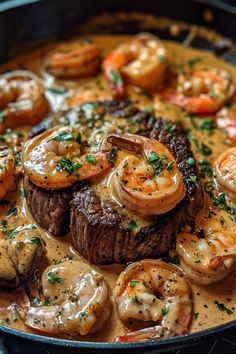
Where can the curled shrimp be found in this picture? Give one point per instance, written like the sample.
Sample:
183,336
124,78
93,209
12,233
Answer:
20,254
142,61
77,301
7,171
225,169
152,290
77,58
148,182
22,99
202,91
209,256
55,159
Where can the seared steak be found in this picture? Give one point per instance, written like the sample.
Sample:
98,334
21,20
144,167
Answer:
97,226
50,208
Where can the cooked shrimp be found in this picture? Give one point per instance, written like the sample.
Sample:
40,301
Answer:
210,257
226,120
143,61
78,301
202,91
150,183
78,58
55,159
225,169
20,255
22,99
7,171
152,290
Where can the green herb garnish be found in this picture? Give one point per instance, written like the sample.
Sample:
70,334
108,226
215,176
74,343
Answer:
52,279
192,62
63,136
91,159
133,283
222,307
111,156
191,161
115,77
132,225
164,311
193,179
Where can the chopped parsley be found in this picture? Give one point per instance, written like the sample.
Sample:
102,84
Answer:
111,156
63,136
205,169
2,116
3,226
207,124
22,193
170,128
135,299
164,311
196,314
65,164
133,283
193,179
18,157
222,307
82,315
78,138
206,150
35,240
161,58
115,77
132,225
191,161
52,279
91,159
158,164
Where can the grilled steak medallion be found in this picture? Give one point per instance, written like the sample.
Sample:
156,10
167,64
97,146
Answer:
99,226
50,208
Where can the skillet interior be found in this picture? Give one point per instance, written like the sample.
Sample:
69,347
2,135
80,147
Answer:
66,21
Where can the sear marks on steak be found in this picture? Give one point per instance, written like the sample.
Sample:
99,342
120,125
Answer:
93,115
50,208
97,226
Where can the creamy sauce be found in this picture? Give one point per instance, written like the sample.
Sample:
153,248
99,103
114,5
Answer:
206,313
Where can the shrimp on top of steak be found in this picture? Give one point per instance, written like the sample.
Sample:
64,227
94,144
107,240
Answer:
55,159
210,255
152,290
142,61
147,182
22,99
77,58
78,301
202,91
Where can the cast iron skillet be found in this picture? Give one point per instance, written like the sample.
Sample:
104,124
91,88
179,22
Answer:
25,23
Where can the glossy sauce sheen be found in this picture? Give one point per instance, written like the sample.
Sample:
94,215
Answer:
206,313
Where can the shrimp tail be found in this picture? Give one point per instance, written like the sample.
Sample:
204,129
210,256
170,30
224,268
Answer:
155,332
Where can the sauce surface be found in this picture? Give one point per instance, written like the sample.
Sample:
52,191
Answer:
207,312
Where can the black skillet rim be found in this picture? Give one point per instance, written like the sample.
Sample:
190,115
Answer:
183,340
